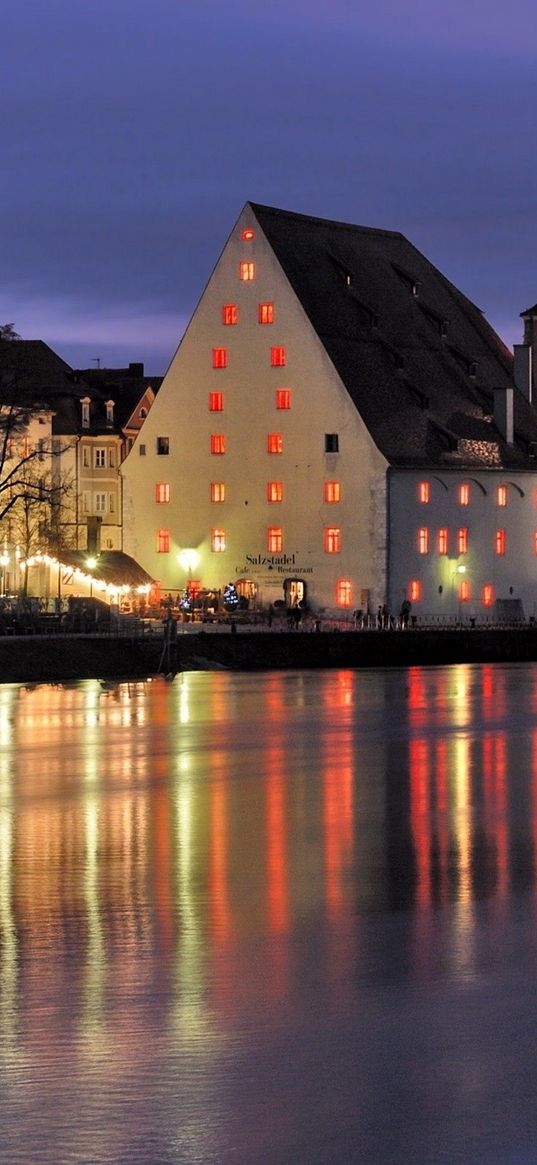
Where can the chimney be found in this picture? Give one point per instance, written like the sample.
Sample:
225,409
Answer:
503,413
525,356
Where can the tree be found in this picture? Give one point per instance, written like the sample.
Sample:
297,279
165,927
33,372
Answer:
8,333
33,525
32,492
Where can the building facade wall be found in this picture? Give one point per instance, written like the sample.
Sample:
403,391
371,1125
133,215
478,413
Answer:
320,410
495,517
89,467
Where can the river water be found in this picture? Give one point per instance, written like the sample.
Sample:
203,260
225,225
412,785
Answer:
270,919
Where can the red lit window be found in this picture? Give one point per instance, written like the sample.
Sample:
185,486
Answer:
423,540
442,540
265,313
218,541
218,491
163,541
487,595
414,590
462,540
275,539
464,495
277,357
216,402
535,541
499,541
275,443
162,492
465,591
218,443
248,234
343,592
424,492
230,313
219,357
275,491
246,272
283,398
332,539
501,495
332,491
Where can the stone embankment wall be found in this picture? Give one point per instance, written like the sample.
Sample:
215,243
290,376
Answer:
36,659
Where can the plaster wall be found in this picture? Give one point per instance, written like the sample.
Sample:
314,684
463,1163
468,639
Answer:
320,405
512,575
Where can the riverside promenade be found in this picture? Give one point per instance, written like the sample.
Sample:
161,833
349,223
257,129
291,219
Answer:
135,654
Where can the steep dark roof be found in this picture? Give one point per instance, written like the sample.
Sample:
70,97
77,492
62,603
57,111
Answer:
31,373
417,357
125,386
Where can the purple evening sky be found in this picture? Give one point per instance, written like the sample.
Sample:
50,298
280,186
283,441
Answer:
133,133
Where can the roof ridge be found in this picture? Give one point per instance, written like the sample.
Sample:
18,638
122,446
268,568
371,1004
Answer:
315,219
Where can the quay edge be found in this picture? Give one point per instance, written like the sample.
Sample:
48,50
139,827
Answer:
56,659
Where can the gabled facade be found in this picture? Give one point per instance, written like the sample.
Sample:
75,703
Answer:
252,466
93,416
328,374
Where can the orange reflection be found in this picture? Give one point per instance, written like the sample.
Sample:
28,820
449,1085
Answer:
442,818
419,816
338,829
277,892
218,862
495,804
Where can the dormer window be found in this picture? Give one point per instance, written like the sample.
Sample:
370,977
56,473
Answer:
109,413
85,406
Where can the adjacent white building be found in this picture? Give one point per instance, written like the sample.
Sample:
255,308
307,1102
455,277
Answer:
338,423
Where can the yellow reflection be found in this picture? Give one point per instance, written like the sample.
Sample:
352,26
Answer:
464,913
8,937
92,1020
184,702
6,716
460,694
190,1013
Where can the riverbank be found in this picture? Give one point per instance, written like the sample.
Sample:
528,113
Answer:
53,659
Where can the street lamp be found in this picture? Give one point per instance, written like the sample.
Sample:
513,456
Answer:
91,563
188,559
461,569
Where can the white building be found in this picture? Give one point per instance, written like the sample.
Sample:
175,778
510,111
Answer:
338,422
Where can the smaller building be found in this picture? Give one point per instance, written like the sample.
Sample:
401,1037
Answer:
74,427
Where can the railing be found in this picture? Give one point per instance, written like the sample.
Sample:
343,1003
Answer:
130,626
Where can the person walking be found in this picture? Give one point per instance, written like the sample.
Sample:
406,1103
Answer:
406,607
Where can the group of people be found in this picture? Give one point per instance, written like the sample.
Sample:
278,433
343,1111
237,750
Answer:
384,620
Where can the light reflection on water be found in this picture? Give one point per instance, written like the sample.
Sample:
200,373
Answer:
269,918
